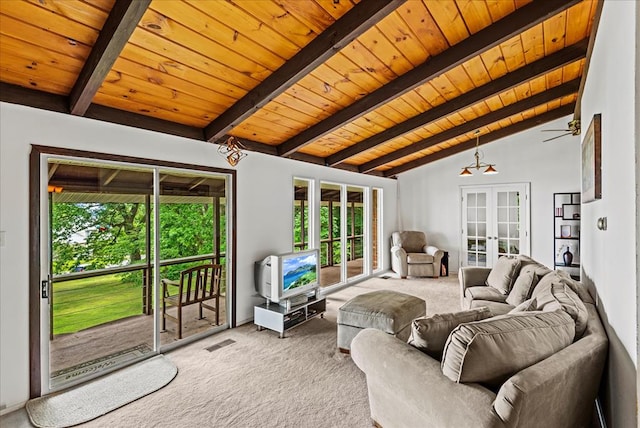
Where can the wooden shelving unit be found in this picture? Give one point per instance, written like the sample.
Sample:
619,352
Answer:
566,232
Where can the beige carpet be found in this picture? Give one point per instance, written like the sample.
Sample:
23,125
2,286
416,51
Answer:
259,380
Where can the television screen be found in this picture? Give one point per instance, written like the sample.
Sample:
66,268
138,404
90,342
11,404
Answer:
299,269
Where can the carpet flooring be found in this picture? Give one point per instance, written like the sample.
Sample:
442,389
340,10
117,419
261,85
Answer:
247,378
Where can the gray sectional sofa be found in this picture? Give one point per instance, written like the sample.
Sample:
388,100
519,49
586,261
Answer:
536,361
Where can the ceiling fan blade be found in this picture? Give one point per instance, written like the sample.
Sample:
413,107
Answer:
557,136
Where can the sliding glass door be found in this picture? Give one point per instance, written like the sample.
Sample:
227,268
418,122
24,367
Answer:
110,232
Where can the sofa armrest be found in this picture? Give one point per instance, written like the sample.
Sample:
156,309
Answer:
470,276
559,390
407,387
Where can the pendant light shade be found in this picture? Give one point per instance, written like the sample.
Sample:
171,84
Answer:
490,167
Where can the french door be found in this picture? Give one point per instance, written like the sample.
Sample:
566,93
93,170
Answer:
109,232
495,222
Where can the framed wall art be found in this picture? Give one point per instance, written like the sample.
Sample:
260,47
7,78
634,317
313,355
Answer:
591,161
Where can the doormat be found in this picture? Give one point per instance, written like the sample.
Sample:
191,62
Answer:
63,376
101,396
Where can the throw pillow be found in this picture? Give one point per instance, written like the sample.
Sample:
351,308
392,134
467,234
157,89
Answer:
552,294
576,286
429,334
504,274
492,350
523,286
526,306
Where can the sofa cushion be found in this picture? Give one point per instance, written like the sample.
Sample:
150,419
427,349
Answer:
552,294
492,350
413,258
576,286
504,274
482,292
429,334
523,285
540,269
496,308
526,306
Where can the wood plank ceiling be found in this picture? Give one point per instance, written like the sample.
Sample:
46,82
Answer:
376,86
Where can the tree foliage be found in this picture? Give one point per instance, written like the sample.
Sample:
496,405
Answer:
98,235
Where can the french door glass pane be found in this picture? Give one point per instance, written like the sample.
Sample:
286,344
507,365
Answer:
476,228
508,222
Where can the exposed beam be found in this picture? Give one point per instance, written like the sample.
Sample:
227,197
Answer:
485,39
115,33
482,93
127,118
486,138
15,94
109,177
342,32
495,116
29,97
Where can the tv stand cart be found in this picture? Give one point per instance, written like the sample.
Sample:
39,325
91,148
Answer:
282,318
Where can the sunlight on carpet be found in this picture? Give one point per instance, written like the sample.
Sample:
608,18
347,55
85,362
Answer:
102,395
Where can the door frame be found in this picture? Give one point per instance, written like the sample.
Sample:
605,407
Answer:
35,247
492,189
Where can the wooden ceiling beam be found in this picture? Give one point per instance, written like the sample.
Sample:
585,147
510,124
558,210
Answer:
342,32
115,33
485,39
482,93
495,116
135,120
487,138
14,94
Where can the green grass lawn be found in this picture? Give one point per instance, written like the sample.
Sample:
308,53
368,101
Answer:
84,303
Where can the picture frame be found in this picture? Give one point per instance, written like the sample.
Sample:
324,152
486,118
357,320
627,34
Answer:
565,231
591,161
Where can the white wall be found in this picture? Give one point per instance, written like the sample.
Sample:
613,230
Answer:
609,257
430,195
264,215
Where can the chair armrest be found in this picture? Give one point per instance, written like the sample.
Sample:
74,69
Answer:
166,282
399,260
470,276
433,251
407,387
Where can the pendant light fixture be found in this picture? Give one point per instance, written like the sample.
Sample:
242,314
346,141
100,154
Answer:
466,171
232,150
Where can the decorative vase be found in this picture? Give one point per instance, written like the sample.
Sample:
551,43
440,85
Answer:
567,256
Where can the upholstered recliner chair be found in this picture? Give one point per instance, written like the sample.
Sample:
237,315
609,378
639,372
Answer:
411,256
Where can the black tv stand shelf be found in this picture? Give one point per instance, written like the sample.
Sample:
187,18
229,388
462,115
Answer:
281,318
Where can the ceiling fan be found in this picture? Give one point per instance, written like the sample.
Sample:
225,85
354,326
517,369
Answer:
573,128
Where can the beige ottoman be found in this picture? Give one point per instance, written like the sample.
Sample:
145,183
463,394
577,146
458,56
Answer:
389,311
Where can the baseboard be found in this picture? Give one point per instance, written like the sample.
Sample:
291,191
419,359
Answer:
12,409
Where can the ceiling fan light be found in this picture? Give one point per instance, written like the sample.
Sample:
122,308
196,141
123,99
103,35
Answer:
490,170
466,173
